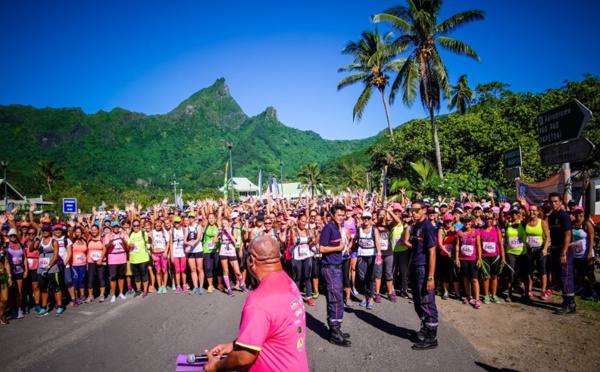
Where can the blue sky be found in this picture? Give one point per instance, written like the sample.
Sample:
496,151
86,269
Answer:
148,56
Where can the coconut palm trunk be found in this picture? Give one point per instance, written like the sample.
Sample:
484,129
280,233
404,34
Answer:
387,111
436,143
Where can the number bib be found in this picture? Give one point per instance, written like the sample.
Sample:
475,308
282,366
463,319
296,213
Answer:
301,252
79,258
96,256
384,244
44,262
211,246
534,241
489,247
515,242
135,249
366,243
578,247
467,250
17,260
30,263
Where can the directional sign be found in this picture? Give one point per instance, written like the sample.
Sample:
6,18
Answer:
562,123
512,173
572,151
69,205
513,158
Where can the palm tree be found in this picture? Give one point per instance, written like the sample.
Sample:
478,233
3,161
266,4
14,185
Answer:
423,169
353,176
49,172
312,179
462,95
419,29
373,62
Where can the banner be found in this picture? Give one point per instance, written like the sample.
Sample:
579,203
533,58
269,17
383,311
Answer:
535,193
275,187
225,183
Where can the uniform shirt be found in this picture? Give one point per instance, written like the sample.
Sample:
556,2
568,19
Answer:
274,323
331,237
422,237
559,223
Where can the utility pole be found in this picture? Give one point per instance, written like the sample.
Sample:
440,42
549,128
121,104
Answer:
281,179
174,183
5,166
229,146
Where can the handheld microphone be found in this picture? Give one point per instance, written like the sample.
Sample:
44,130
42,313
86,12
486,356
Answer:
193,358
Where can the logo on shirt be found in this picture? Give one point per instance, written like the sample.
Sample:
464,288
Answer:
300,344
294,304
297,321
298,312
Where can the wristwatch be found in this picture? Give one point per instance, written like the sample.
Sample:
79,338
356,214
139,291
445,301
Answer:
430,278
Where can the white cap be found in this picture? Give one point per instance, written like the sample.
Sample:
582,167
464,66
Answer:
235,215
12,232
367,214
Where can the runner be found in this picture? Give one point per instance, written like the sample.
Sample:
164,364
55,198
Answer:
96,261
317,256
301,257
226,240
516,251
65,253
160,253
116,243
78,270
18,270
537,239
211,252
139,243
32,263
402,255
178,254
5,283
468,259
583,252
446,239
369,253
48,270
493,258
386,220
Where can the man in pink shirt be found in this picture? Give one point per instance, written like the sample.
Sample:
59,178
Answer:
272,334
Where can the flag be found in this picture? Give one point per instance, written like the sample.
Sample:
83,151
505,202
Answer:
384,184
225,184
536,193
260,185
275,187
270,185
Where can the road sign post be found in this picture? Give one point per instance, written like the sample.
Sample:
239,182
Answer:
572,151
69,205
562,123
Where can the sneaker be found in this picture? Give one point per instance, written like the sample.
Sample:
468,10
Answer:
392,297
508,299
221,288
310,302
164,289
495,299
193,291
4,320
55,307
76,302
595,295
544,297
377,298
530,294
13,315
370,306
113,299
466,300
130,292
445,296
178,290
230,292
122,297
315,295
486,299
81,299
100,299
41,313
363,303
38,308
151,289
144,294
347,302
89,299
60,311
20,315
26,310
405,294
549,292
210,289
354,291
476,304
201,291
244,288
137,294
185,288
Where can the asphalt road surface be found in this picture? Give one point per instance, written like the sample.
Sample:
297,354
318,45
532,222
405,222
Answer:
147,334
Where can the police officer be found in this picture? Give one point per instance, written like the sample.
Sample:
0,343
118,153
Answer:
560,226
423,242
331,245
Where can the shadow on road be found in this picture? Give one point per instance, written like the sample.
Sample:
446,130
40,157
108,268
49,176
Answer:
489,368
317,326
384,325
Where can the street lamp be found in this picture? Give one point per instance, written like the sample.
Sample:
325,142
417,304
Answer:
229,146
281,179
5,165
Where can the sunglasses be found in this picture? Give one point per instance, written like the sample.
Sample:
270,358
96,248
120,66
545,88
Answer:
415,210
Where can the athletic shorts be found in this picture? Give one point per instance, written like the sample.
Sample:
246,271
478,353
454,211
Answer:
227,258
196,255
354,254
161,263
17,276
491,266
469,269
537,261
33,276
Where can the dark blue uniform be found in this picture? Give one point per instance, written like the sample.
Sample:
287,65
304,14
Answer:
331,270
559,223
423,238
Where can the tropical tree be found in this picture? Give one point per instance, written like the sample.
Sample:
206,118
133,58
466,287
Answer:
421,33
462,95
49,172
353,176
372,62
423,169
311,179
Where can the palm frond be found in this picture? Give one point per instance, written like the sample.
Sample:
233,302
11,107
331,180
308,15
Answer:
360,105
459,20
457,47
349,80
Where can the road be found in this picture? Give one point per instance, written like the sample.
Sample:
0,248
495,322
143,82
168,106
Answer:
146,335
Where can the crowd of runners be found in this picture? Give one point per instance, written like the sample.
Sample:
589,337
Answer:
488,250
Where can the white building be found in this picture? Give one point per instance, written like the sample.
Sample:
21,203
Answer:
244,187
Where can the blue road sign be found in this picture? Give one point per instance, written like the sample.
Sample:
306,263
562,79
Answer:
69,205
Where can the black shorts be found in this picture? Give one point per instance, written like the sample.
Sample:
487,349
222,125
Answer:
491,266
537,261
227,258
581,267
196,255
17,276
32,276
469,269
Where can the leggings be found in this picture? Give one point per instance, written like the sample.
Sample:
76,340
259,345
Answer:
401,266
78,275
140,272
366,279
316,267
386,268
346,273
180,264
302,273
92,269
211,265
50,282
117,271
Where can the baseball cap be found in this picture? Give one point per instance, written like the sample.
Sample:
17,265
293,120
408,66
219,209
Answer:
46,227
443,204
235,215
576,209
397,207
191,214
115,224
458,210
430,210
25,224
106,218
515,209
468,205
477,206
348,208
485,206
12,232
367,214
177,219
57,226
495,210
448,217
405,214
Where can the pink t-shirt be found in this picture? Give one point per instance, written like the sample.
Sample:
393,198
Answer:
489,242
273,322
468,245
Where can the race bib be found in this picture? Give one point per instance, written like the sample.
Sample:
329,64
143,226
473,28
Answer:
178,252
44,263
210,246
515,242
489,247
79,258
384,244
96,256
578,246
302,252
534,241
229,247
467,250
366,243
30,263
136,249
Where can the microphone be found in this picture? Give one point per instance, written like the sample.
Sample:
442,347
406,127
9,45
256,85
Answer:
193,358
